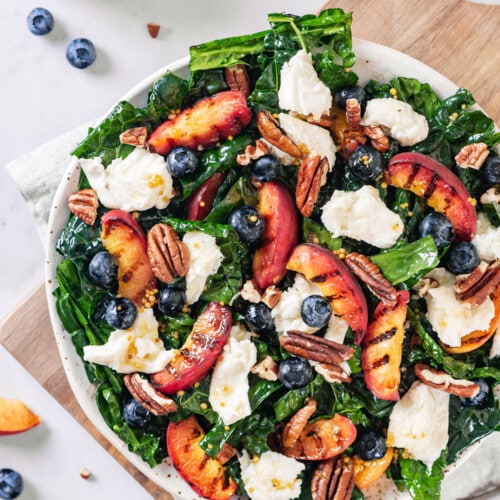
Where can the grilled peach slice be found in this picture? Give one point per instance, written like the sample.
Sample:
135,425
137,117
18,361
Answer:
199,352
209,121
383,348
122,236
16,417
204,474
200,203
438,185
366,472
277,205
322,267
323,439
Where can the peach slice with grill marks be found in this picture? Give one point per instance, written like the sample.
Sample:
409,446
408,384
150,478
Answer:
337,284
438,185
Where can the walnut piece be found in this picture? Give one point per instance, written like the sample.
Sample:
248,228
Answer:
143,391
135,136
270,130
311,176
83,204
472,155
237,78
167,254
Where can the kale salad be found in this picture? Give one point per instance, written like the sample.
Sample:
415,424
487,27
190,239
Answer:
286,281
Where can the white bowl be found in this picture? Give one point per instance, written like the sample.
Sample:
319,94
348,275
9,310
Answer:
374,61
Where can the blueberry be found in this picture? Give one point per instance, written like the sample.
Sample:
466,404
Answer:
135,414
265,168
182,161
80,53
11,484
370,446
480,397
351,92
315,311
295,372
490,170
171,300
258,318
40,21
248,223
439,227
120,313
103,269
461,258
366,163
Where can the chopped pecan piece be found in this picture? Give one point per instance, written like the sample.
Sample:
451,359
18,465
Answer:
153,29
311,176
342,481
296,424
225,454
135,136
353,113
270,130
443,381
332,373
472,155
271,296
476,287
143,391
378,139
490,196
252,152
424,285
250,293
315,348
237,78
167,254
369,273
266,369
83,204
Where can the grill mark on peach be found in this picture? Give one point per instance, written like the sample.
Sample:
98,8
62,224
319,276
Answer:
320,278
431,187
411,178
383,336
384,360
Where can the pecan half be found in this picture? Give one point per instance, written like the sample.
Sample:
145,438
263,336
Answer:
296,424
332,373
472,155
342,481
369,273
252,152
270,130
378,139
167,254
266,369
321,478
237,78
311,176
443,381
135,136
83,204
476,287
353,113
143,391
315,348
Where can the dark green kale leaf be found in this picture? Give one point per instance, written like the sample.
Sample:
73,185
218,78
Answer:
422,483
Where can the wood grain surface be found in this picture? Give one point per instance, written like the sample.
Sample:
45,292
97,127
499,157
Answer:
457,38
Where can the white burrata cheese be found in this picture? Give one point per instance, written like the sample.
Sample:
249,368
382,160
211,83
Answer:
316,140
301,90
272,476
450,318
404,124
205,259
138,182
137,349
487,239
228,392
419,423
362,215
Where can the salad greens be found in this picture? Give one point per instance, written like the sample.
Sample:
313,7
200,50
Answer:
79,301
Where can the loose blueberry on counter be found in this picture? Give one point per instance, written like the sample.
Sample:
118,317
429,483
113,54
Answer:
265,168
135,414
366,163
80,53
480,397
315,311
103,269
248,223
351,92
40,21
295,372
11,484
461,258
258,318
490,170
370,446
171,299
182,161
439,227
120,313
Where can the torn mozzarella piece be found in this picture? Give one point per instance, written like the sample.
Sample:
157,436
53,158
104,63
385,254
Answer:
487,239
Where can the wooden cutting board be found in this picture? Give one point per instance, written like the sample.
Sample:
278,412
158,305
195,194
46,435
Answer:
456,37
